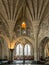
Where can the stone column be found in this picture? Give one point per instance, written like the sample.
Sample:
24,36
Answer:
35,29
36,50
11,55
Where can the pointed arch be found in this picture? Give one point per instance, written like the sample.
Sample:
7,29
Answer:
19,50
27,50
43,47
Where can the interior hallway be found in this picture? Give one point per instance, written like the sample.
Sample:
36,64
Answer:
24,29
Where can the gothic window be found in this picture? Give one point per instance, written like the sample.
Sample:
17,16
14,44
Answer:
27,50
19,50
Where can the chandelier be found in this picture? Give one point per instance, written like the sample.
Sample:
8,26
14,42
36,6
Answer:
23,24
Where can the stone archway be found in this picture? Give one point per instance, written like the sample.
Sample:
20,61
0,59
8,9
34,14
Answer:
43,47
23,41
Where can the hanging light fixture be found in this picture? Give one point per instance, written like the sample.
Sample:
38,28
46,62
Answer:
23,24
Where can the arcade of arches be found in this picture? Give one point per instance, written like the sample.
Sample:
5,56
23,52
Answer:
24,29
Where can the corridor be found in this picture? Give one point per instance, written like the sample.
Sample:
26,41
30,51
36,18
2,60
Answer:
24,31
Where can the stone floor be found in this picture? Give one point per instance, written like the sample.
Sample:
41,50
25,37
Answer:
23,64
26,63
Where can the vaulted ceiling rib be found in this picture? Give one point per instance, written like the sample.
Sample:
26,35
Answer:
10,11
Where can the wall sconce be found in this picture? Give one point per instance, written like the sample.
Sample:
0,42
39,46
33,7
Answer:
11,49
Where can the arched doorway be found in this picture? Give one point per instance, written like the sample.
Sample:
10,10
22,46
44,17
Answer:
44,48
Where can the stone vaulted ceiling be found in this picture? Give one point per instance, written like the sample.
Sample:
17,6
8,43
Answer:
35,11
